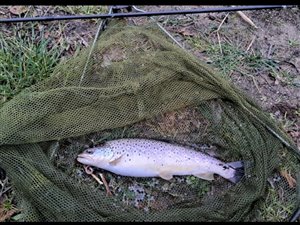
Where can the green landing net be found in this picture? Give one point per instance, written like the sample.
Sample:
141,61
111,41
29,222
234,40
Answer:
135,73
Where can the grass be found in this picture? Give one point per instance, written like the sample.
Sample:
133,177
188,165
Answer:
202,186
7,205
27,56
83,9
29,11
293,43
236,59
28,53
274,209
25,60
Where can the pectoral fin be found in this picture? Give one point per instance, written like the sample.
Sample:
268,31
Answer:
115,160
205,176
166,175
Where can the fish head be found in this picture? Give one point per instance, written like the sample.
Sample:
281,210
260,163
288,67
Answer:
98,157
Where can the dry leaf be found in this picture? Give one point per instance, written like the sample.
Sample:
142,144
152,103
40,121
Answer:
47,34
18,10
291,181
295,134
41,27
112,55
4,215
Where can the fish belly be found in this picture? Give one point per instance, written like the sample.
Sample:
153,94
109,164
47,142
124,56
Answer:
132,171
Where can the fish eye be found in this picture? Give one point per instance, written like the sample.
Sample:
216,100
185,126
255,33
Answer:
90,151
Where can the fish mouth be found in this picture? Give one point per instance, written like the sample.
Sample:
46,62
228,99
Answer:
83,157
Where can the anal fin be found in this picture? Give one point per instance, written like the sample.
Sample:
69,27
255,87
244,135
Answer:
205,176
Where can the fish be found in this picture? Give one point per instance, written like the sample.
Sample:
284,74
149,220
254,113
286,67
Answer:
138,157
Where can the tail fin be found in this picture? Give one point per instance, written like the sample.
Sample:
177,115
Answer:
239,171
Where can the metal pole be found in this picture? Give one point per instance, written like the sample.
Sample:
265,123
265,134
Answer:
138,14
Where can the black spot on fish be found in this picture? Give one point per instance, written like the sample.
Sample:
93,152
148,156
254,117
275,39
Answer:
225,167
127,155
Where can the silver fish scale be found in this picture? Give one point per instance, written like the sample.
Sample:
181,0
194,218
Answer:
151,158
155,148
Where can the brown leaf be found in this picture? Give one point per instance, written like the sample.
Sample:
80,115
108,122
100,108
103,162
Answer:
276,81
18,9
295,134
112,55
47,34
291,181
4,215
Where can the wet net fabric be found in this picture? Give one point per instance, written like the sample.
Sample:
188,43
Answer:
134,73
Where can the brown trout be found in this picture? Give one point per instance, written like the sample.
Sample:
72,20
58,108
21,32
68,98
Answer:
151,158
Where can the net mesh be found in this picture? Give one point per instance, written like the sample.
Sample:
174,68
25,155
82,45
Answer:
138,84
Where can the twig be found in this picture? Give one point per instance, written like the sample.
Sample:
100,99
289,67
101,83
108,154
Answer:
247,19
252,41
255,83
219,39
106,185
90,171
288,177
269,51
222,22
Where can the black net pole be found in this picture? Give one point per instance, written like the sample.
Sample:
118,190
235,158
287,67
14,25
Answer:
147,14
